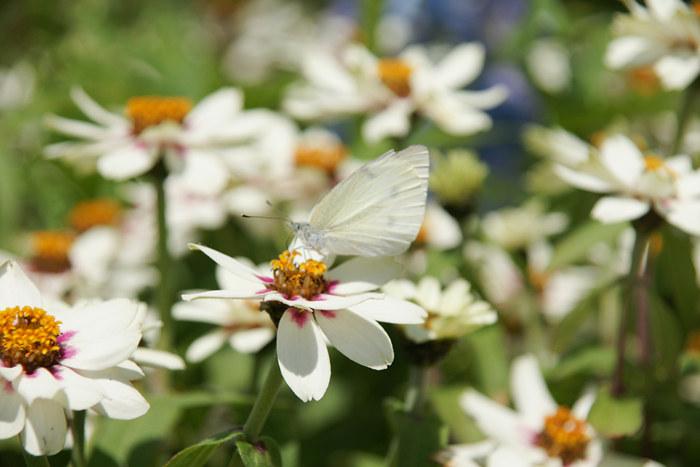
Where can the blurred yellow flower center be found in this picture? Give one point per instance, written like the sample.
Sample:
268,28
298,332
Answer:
654,162
325,157
395,74
422,236
50,249
28,338
564,436
692,343
538,279
152,110
643,80
92,213
305,280
696,7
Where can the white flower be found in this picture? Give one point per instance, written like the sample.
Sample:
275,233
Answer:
665,34
16,86
390,90
638,183
240,322
452,312
548,64
192,139
80,364
310,304
540,434
500,278
515,228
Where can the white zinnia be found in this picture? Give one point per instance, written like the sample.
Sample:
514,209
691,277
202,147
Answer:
337,305
86,366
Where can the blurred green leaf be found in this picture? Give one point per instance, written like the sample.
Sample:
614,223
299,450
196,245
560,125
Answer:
492,366
567,329
198,454
419,436
666,333
446,403
596,360
575,245
613,416
263,453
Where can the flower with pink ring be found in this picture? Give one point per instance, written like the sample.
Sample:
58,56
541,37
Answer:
308,303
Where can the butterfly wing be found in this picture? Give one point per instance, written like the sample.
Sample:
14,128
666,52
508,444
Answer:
379,209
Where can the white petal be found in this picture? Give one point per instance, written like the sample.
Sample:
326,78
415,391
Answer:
302,355
611,209
455,117
82,392
529,390
122,401
95,111
461,65
203,311
462,455
429,293
251,341
16,289
493,419
204,346
127,162
391,310
39,385
45,431
158,359
623,159
443,231
677,72
685,215
627,51
582,180
360,339
583,405
13,411
324,301
392,121
505,457
363,274
229,294
230,264
79,128
12,373
484,99
214,108
205,173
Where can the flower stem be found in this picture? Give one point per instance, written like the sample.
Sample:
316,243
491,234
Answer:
35,461
416,393
634,296
78,429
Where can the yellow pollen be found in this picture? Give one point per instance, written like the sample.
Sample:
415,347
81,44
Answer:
692,342
395,74
326,158
564,436
306,280
152,110
50,248
92,213
28,337
654,162
643,81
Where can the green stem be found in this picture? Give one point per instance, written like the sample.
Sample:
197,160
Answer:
687,107
78,428
416,393
35,461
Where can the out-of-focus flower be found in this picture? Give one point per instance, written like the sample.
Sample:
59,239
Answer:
517,228
457,177
452,312
307,304
439,229
665,34
540,433
62,359
390,90
241,323
193,140
16,86
548,64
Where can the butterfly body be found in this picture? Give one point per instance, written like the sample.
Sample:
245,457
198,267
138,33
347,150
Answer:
376,211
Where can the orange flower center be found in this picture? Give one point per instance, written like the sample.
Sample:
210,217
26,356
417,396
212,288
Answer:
643,80
28,337
306,280
395,74
692,342
152,110
422,237
696,7
50,249
92,213
326,157
564,436
654,162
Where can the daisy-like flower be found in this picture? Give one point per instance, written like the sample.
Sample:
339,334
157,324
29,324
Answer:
637,183
391,90
452,312
192,139
55,358
540,433
665,35
308,303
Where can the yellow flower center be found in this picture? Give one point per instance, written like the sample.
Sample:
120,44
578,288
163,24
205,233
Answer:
422,237
326,158
395,74
643,80
92,213
28,337
306,280
564,436
696,7
692,342
50,249
152,110
654,162
538,279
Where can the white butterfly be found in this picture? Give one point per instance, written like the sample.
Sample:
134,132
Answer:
376,211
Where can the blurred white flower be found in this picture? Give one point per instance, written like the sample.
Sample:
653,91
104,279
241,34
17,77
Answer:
310,304
390,90
665,34
500,278
16,86
548,64
81,362
517,228
452,312
540,433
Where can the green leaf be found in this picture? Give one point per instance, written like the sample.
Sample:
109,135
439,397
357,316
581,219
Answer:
198,454
613,416
262,453
420,437
446,402
666,334
574,247
567,329
597,360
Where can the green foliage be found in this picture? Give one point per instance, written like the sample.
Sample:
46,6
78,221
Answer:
613,416
263,453
197,455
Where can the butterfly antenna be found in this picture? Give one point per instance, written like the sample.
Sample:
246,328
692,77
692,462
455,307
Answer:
289,219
